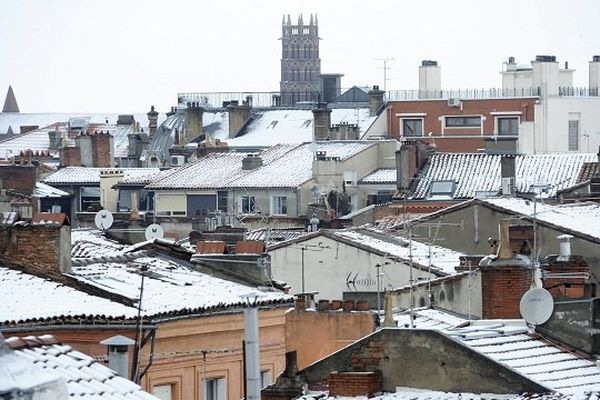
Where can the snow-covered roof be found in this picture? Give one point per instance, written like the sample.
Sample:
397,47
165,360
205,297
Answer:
36,140
578,218
512,344
383,175
428,318
90,243
16,120
270,127
283,166
26,297
169,287
43,190
473,173
85,377
442,260
88,175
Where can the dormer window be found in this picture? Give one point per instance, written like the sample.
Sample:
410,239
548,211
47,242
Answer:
441,190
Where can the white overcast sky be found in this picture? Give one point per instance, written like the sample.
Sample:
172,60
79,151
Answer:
124,55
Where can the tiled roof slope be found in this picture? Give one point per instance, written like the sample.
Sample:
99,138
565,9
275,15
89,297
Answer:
85,377
283,166
26,298
383,175
474,172
579,218
514,345
85,175
588,171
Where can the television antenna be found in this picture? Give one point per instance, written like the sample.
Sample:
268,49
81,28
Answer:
536,306
154,231
103,219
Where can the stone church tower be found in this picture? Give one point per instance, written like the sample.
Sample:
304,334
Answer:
300,62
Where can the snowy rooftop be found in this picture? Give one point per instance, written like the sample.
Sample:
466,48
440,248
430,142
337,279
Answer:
169,287
85,377
26,297
579,218
283,165
473,173
43,190
85,175
384,175
90,243
513,344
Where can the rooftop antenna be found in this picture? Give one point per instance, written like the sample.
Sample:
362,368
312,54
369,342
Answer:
385,68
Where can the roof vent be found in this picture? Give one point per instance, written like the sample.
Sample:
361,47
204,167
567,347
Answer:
545,58
565,247
429,63
252,161
596,59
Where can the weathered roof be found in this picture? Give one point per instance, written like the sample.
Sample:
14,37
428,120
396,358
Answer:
43,190
283,166
473,173
88,175
85,377
588,171
382,175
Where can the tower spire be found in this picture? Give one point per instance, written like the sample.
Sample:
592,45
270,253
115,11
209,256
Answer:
311,19
289,20
10,103
316,19
300,20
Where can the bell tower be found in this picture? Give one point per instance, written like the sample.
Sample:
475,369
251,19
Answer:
300,62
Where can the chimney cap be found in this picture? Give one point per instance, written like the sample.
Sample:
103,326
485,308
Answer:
545,58
596,58
118,340
429,63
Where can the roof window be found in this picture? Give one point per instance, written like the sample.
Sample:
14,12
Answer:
441,190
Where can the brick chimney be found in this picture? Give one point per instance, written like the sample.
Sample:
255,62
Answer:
70,156
20,178
411,157
504,279
193,122
375,100
102,149
322,122
42,247
238,115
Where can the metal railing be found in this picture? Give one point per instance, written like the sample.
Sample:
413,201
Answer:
489,93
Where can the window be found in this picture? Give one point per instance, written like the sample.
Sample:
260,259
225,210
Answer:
279,206
412,127
508,125
350,178
248,205
573,135
441,189
90,197
265,378
163,392
215,389
463,122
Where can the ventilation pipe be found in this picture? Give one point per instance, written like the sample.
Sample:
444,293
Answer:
564,247
118,354
252,347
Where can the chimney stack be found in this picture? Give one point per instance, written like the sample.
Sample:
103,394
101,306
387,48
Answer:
430,80
152,121
545,75
238,115
594,78
118,354
375,100
322,122
251,161
193,122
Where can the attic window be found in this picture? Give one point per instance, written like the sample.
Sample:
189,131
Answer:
306,123
440,190
272,124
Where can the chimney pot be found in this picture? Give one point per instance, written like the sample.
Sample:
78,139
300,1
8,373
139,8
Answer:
564,247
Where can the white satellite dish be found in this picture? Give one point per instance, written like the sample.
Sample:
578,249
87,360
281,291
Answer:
536,306
103,219
154,231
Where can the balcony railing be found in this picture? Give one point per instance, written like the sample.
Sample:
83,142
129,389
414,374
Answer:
490,93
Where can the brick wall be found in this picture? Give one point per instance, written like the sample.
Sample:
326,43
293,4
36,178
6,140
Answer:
38,249
502,287
354,383
20,178
568,279
70,156
101,150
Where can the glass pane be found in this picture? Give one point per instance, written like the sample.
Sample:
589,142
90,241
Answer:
412,127
442,187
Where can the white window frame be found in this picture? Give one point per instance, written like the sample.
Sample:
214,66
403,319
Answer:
578,135
221,388
274,208
412,118
266,378
504,116
157,390
441,195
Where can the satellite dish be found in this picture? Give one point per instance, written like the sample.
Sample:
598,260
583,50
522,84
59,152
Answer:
103,219
154,231
536,306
